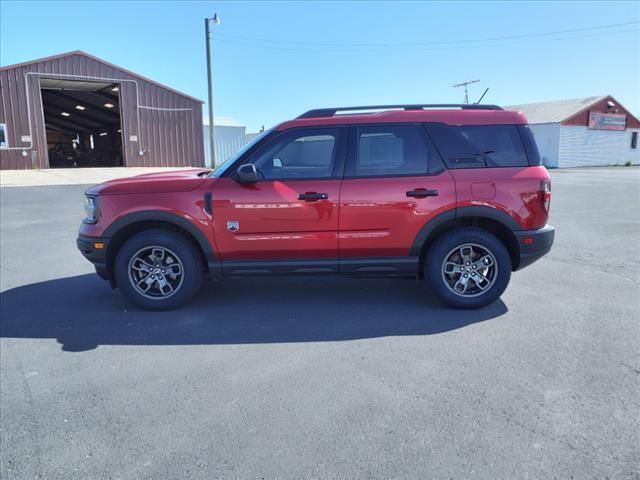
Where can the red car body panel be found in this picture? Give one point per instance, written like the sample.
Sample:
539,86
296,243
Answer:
377,219
273,223
160,182
514,191
187,205
361,218
450,117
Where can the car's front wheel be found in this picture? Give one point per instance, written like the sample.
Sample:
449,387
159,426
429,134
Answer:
468,267
158,269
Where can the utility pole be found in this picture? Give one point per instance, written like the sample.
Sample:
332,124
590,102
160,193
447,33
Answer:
464,84
212,136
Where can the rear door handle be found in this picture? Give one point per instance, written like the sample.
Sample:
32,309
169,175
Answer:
312,196
422,192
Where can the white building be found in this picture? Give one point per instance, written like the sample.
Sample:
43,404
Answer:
592,131
229,137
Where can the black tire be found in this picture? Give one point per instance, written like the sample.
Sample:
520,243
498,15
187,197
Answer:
188,260
442,283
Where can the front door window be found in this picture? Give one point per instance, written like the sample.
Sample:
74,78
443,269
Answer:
299,156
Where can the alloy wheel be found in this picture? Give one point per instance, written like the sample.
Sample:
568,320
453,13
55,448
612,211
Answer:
156,272
469,270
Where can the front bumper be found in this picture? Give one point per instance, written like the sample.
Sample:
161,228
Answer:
534,244
94,249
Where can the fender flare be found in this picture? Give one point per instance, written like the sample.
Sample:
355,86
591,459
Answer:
461,212
152,215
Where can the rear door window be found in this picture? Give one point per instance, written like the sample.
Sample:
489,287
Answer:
473,146
392,150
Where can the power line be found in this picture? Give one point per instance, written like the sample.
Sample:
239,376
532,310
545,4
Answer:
417,44
458,47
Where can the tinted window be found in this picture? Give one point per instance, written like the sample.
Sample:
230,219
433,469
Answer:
221,169
472,146
392,150
533,154
299,155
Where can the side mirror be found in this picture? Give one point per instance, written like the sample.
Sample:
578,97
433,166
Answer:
247,173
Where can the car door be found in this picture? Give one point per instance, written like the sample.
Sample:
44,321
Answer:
395,182
288,219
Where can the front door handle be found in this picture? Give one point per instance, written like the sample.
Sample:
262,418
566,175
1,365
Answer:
312,196
422,193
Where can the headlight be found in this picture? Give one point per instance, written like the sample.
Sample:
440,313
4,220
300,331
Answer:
90,209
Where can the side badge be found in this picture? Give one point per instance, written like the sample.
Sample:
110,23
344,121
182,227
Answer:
233,226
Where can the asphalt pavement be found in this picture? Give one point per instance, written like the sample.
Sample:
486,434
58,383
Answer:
323,377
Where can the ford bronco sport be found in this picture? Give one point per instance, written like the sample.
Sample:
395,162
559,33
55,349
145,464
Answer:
452,194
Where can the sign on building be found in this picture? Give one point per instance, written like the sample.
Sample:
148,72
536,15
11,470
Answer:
607,121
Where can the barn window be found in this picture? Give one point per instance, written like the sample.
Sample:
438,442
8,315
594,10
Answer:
3,135
634,140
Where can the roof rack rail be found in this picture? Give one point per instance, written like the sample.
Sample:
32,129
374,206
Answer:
330,112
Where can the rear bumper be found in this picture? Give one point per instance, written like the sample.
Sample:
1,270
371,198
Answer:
89,247
534,244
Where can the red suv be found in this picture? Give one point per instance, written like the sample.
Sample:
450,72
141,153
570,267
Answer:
454,194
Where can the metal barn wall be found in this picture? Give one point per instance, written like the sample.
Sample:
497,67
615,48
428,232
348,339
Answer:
228,141
166,138
547,137
581,147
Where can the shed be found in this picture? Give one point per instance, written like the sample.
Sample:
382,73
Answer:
229,138
590,131
77,110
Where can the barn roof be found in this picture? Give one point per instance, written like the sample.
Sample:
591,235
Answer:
100,60
555,111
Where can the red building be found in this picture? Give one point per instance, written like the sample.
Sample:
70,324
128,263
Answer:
592,131
77,110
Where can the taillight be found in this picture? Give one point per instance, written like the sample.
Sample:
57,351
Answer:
545,190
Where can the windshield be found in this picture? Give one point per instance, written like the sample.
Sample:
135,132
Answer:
223,167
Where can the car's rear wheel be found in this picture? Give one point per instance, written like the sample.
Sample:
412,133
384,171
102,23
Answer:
468,268
158,269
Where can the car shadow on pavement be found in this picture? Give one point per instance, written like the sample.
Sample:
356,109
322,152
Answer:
82,312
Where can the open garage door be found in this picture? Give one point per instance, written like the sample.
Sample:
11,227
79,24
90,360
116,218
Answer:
82,123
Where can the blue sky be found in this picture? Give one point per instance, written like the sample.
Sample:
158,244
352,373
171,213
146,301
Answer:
274,60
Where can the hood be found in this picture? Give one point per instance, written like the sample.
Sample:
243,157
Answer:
173,181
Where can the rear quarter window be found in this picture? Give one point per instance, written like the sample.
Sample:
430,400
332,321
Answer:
478,146
530,145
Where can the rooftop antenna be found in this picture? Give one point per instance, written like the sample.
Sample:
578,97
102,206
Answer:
466,93
482,96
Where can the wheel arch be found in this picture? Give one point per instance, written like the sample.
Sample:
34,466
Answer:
494,221
127,226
